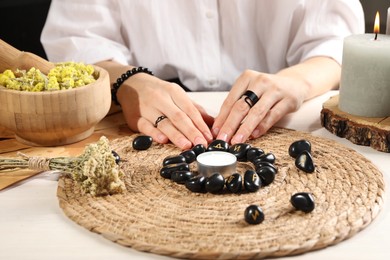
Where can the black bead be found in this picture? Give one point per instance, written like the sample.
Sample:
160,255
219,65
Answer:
196,184
166,171
172,159
303,201
181,176
128,73
116,156
304,162
215,183
254,153
234,183
198,149
142,142
119,81
297,147
266,174
218,145
253,214
252,181
189,156
124,77
240,150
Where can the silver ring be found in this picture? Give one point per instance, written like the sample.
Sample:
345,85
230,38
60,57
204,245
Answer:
159,119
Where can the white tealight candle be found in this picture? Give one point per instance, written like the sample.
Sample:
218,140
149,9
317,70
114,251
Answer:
216,161
365,76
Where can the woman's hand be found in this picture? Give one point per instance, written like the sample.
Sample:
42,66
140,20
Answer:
278,94
145,98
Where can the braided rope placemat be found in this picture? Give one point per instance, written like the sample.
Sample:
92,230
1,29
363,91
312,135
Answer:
159,216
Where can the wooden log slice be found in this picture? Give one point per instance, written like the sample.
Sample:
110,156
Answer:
374,132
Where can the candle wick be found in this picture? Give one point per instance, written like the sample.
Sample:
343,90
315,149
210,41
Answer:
376,36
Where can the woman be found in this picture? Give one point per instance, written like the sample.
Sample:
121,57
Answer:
270,55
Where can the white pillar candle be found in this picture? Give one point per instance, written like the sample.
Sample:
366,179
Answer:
365,76
388,22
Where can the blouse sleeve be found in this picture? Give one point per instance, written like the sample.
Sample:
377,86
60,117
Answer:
87,31
319,29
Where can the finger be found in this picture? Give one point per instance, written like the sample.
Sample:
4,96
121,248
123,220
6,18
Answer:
273,116
235,93
261,119
208,119
234,119
176,137
187,118
146,127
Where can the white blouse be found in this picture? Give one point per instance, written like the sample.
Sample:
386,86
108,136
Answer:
207,44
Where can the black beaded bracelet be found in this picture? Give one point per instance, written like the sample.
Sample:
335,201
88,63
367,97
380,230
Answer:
124,77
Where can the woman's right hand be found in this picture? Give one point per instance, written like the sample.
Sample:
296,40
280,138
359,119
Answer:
145,98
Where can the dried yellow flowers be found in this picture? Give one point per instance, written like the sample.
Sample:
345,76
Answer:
64,75
96,170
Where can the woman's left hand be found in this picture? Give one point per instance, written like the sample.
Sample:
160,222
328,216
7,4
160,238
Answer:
242,116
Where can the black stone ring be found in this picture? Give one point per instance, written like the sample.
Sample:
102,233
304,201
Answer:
159,119
250,98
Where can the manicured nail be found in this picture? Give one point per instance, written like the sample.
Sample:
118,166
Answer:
184,144
208,136
215,131
239,138
222,136
256,133
162,139
200,140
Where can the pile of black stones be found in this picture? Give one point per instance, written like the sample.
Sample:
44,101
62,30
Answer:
177,168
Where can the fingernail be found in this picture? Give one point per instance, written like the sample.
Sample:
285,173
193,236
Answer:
208,136
200,140
215,131
184,144
222,136
256,133
162,138
239,138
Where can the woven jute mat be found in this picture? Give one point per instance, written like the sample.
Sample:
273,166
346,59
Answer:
159,216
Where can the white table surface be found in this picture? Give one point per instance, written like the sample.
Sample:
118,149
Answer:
33,226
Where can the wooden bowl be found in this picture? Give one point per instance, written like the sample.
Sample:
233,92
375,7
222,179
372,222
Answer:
56,117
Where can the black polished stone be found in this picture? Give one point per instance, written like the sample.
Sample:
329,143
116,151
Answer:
253,153
303,201
234,183
218,145
189,155
166,171
297,147
263,163
198,149
304,162
196,184
215,183
254,215
266,174
252,181
173,159
181,176
142,142
240,150
267,157
116,156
